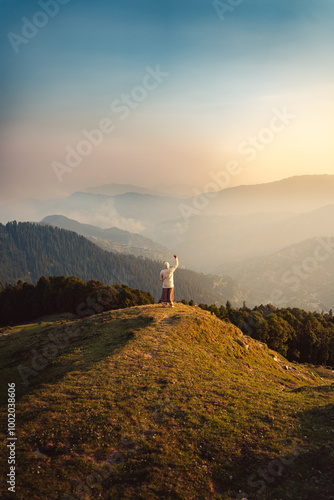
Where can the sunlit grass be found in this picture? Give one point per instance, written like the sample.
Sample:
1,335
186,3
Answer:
165,403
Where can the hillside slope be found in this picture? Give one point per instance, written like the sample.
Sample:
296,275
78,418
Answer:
148,403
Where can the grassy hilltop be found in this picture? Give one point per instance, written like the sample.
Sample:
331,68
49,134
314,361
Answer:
150,403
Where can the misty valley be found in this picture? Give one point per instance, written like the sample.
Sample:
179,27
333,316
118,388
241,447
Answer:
273,241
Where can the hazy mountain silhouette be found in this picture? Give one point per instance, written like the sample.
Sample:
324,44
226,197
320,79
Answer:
238,223
295,194
112,239
129,211
136,212
114,189
176,190
300,275
209,242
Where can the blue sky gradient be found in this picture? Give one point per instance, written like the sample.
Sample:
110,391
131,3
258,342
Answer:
225,79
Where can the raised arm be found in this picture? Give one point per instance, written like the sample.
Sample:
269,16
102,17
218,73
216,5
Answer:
176,262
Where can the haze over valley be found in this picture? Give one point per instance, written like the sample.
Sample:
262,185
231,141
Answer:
256,234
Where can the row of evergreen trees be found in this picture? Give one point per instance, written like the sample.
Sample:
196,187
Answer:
58,294
298,335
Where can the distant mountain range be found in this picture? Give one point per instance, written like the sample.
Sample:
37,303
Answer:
176,190
113,239
129,211
301,275
28,251
139,212
215,233
210,242
115,189
295,194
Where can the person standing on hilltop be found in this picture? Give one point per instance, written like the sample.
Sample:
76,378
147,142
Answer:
167,278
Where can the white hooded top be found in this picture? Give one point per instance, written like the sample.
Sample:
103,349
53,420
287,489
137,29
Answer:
167,274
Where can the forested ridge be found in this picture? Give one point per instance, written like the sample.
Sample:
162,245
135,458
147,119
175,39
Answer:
60,294
301,336
29,251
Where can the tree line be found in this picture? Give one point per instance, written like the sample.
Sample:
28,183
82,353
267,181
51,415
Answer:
305,337
301,336
59,294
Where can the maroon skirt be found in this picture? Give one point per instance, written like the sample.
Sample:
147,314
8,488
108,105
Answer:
167,295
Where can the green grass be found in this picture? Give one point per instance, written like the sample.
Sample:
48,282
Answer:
148,403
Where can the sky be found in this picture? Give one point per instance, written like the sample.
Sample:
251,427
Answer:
171,91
